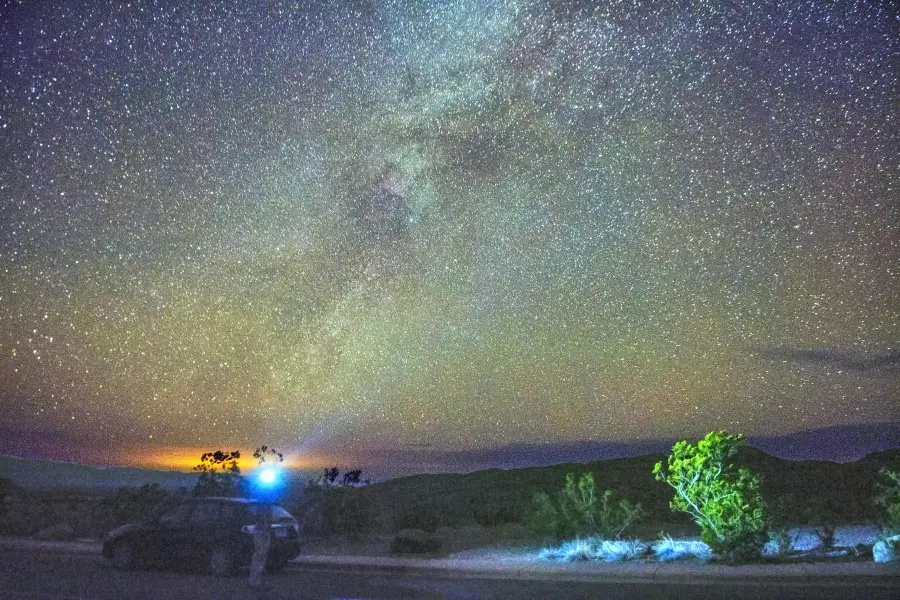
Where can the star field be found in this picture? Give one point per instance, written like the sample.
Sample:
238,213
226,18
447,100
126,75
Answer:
337,227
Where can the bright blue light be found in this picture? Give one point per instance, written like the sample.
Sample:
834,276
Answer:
268,476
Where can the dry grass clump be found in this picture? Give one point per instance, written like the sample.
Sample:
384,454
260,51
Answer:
595,549
668,549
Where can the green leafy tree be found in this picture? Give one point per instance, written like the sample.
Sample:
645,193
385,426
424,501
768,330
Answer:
579,510
220,474
723,498
888,498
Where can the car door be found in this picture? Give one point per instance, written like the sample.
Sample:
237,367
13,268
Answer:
206,530
167,536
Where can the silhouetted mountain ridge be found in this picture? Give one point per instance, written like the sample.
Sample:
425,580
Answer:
796,492
46,474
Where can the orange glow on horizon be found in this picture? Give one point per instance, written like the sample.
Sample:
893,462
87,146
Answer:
186,458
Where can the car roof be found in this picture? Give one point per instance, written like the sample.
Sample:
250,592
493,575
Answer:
226,499
223,499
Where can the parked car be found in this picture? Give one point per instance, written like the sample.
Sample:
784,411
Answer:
216,533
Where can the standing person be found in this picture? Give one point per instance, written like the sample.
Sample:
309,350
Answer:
266,489
262,537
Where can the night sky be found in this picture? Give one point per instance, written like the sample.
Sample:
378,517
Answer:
364,230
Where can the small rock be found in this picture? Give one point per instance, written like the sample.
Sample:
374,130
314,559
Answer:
414,541
58,532
886,550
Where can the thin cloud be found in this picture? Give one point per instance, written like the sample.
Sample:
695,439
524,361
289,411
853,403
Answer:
832,357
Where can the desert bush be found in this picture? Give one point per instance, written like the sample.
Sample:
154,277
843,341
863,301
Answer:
330,505
886,549
30,511
723,499
826,534
7,489
779,517
352,518
668,549
578,510
422,516
887,497
130,503
414,541
326,509
780,543
490,516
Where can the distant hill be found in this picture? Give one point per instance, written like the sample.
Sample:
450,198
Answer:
819,490
842,443
31,474
47,474
804,492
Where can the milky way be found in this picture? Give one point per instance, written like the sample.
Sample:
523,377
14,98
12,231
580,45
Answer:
344,228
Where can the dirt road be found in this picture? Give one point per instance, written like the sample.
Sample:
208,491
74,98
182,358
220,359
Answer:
26,574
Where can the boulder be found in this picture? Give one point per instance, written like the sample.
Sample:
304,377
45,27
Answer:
886,550
414,541
58,532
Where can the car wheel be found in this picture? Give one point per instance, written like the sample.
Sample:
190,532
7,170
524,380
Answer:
123,556
221,561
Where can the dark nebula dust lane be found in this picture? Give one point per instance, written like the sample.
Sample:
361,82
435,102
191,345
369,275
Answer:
351,228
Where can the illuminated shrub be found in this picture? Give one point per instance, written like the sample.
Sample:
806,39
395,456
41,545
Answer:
888,498
578,510
723,499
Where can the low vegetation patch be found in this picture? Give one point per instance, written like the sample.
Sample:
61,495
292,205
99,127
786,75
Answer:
854,543
603,550
595,549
